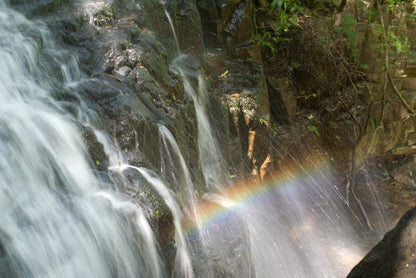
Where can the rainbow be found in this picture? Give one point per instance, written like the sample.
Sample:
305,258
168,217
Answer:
212,213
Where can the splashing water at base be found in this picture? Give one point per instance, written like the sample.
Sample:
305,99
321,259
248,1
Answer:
298,224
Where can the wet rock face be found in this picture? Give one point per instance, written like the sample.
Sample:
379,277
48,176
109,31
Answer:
228,22
123,114
154,208
104,16
227,252
37,7
239,26
97,156
395,255
241,85
186,21
405,174
5,266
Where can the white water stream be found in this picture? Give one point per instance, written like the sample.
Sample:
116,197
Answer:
183,265
55,219
211,160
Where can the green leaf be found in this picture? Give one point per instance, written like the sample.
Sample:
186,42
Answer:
314,129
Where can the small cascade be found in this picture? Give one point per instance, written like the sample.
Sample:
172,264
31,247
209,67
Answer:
172,27
182,254
174,166
211,160
148,238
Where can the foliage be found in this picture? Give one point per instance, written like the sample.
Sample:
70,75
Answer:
314,129
392,4
282,16
321,59
285,14
397,43
349,28
390,40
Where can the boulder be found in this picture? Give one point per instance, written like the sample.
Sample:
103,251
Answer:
126,116
395,255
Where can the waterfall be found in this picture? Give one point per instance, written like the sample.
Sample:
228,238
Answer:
299,226
211,160
173,164
61,219
178,49
56,220
183,261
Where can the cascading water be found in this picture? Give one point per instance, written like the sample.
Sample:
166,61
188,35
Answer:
60,220
298,226
174,165
178,49
212,163
56,220
183,261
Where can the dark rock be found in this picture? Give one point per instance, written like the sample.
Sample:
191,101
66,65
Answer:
226,250
227,23
123,114
154,56
207,4
238,23
123,71
186,21
97,156
405,174
246,96
395,255
156,210
37,7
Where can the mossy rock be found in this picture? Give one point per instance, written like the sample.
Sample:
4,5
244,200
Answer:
105,16
42,7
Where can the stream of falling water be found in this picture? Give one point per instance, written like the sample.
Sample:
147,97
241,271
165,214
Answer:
174,166
183,261
57,219
211,160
